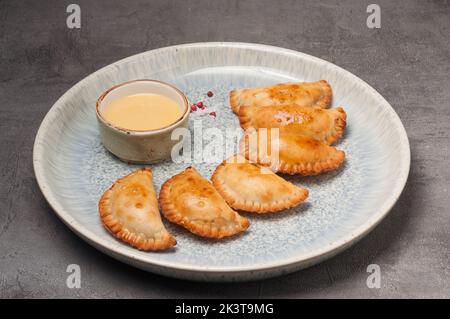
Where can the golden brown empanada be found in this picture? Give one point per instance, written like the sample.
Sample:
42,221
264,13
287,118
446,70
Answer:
316,94
129,210
249,187
191,201
321,124
297,154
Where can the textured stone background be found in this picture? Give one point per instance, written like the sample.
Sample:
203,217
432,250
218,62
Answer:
407,61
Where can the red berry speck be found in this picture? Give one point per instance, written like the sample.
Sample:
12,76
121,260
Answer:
200,105
193,108
213,114
210,94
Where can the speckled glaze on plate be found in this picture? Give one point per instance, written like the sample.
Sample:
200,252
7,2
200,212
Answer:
73,169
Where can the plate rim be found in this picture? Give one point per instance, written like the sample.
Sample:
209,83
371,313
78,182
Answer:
297,261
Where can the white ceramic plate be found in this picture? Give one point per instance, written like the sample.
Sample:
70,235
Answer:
73,169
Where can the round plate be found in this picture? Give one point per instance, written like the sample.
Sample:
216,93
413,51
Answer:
73,169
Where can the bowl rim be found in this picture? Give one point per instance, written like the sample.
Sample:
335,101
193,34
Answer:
142,132
188,271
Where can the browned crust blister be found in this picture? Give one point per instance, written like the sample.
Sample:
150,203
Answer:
114,226
199,227
297,195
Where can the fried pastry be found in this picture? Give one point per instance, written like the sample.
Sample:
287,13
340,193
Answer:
325,125
252,188
290,153
315,94
129,210
191,201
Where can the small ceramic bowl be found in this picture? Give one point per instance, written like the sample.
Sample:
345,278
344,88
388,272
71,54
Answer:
140,146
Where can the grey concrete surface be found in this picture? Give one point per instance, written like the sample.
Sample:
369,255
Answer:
407,61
